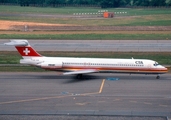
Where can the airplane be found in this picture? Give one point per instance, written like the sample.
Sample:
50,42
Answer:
80,66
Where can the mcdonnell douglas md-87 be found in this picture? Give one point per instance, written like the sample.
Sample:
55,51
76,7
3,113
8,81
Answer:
79,66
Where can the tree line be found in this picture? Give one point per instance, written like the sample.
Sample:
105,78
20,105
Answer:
101,3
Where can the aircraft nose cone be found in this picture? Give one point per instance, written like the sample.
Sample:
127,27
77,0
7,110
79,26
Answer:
166,69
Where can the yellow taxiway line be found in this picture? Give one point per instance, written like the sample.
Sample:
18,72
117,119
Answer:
55,97
101,87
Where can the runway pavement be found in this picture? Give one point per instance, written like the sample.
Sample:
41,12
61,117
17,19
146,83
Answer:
96,45
46,93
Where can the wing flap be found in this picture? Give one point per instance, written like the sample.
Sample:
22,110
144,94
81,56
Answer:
81,72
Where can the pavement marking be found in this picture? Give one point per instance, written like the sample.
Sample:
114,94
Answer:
83,103
101,101
101,87
46,98
147,103
133,101
163,105
84,94
116,99
112,79
35,99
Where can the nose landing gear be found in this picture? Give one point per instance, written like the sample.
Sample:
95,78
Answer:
158,76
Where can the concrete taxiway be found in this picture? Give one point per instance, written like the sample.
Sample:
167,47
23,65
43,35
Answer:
96,45
28,93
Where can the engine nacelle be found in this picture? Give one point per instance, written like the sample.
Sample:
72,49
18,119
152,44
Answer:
26,61
50,65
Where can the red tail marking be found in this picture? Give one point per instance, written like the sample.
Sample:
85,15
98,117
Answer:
27,51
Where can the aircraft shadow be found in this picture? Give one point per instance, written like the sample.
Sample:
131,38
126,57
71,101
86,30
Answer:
67,79
74,78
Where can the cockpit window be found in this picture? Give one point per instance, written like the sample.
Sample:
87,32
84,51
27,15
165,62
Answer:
156,64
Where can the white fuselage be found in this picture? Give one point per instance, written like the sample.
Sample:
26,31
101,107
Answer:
99,64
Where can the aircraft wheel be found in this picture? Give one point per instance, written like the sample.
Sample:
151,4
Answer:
158,77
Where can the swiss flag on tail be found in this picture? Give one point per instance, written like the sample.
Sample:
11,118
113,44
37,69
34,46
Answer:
27,51
24,48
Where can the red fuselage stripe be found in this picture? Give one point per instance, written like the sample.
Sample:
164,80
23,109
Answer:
118,69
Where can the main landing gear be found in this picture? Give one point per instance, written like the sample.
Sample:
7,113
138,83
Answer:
79,76
158,76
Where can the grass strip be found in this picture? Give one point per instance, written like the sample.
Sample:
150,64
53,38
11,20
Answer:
81,9
20,69
152,20
92,36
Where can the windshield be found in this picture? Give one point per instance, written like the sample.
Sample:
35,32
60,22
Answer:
156,64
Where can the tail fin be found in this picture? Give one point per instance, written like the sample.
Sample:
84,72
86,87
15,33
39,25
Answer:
24,48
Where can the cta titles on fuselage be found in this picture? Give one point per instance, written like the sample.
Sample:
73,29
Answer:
139,62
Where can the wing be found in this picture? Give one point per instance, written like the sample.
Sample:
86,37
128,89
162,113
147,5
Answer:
81,72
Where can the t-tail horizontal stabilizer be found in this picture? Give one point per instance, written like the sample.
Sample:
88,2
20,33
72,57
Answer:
18,43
